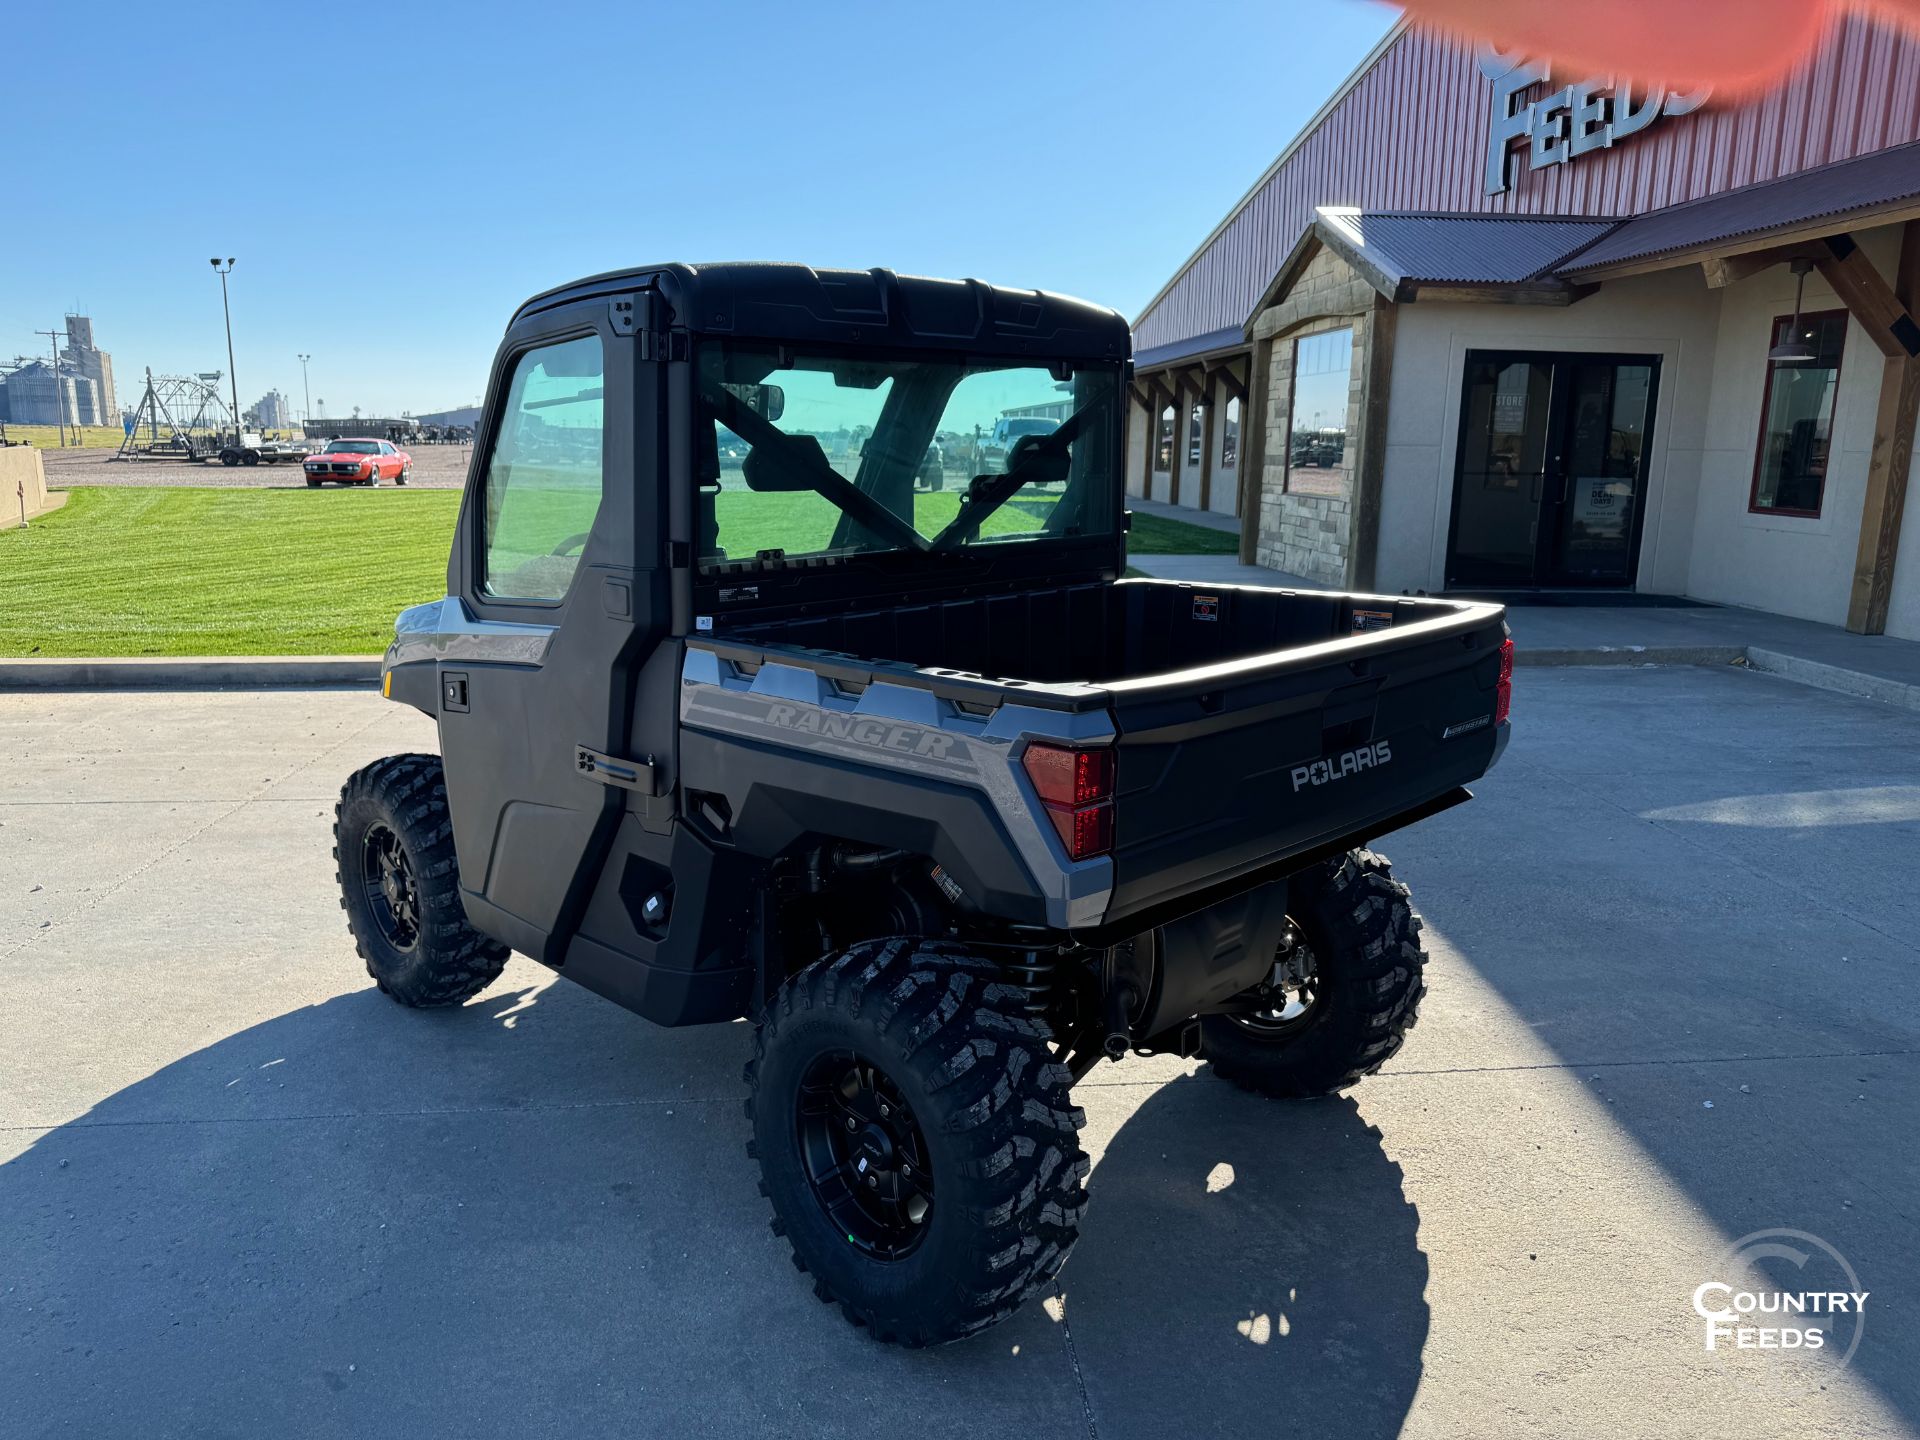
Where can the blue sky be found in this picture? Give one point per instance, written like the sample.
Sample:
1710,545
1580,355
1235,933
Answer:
393,179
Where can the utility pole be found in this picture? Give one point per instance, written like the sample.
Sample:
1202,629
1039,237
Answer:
59,401
227,310
306,391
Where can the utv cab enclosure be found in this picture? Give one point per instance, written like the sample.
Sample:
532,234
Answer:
737,721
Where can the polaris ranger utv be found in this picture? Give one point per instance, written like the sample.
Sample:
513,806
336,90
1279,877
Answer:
737,721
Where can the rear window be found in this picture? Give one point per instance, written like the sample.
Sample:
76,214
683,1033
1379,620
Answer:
819,454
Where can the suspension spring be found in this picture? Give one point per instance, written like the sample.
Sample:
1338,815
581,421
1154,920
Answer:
1035,972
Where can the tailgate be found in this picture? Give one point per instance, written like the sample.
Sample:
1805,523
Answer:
1229,768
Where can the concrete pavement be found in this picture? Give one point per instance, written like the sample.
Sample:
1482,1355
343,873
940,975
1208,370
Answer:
240,1193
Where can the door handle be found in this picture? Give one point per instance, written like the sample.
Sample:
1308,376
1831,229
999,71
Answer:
610,770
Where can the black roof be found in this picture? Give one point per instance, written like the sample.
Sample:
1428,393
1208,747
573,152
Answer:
776,300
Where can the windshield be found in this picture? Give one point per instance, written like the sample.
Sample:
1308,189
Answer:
354,447
818,454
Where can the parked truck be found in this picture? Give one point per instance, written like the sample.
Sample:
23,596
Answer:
913,780
248,448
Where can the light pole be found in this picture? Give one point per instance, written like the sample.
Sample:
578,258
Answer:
306,393
227,310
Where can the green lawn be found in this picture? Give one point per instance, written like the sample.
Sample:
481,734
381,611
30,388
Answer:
177,571
167,571
1152,535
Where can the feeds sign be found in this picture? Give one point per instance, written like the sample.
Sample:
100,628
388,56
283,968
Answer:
1561,125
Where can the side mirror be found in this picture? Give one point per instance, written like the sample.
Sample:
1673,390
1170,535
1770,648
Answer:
768,470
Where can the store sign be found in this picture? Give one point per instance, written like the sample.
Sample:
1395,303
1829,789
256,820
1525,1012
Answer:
1562,125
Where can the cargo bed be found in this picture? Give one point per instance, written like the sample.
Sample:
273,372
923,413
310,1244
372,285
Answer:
1253,725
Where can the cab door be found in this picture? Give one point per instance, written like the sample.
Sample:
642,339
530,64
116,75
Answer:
557,598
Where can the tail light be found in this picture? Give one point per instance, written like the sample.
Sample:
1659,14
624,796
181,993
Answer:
1076,789
1503,692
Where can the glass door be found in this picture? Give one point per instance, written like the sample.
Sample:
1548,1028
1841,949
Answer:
1502,475
1590,538
1552,469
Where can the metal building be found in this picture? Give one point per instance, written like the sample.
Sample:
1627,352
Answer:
35,395
84,357
1498,327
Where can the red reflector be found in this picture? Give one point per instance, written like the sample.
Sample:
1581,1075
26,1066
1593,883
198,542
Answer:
1086,832
1503,692
1069,777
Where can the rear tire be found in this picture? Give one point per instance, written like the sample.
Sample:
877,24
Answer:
400,885
977,1103
1360,925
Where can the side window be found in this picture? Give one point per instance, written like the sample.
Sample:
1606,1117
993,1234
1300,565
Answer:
542,488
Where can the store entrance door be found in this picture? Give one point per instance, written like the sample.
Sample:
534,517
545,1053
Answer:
1550,483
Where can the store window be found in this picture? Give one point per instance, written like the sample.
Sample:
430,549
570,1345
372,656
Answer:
1193,435
1317,449
1796,417
1163,444
1230,435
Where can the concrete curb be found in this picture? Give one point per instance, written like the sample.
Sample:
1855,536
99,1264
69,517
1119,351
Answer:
265,672
239,672
1833,677
1633,655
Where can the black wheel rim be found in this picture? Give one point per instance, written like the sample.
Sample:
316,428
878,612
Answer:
386,875
864,1155
1291,992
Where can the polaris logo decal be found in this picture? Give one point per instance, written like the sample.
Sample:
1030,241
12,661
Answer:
886,734
1338,767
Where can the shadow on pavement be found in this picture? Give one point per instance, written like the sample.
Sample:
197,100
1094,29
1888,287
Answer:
534,1215
1245,1259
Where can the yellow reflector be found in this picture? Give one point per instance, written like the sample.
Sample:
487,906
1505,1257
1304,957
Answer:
386,684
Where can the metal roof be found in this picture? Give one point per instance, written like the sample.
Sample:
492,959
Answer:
1408,133
1231,336
1402,246
1867,182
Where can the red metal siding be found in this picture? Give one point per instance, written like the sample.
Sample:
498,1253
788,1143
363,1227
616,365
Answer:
1411,135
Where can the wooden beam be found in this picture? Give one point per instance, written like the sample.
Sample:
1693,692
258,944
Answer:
1363,533
1721,271
1894,420
1253,449
1881,313
1233,377
1206,452
1524,293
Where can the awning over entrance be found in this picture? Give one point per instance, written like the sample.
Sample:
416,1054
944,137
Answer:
1853,192
1407,254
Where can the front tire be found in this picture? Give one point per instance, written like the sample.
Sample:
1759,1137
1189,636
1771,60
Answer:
1368,976
400,885
916,1139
